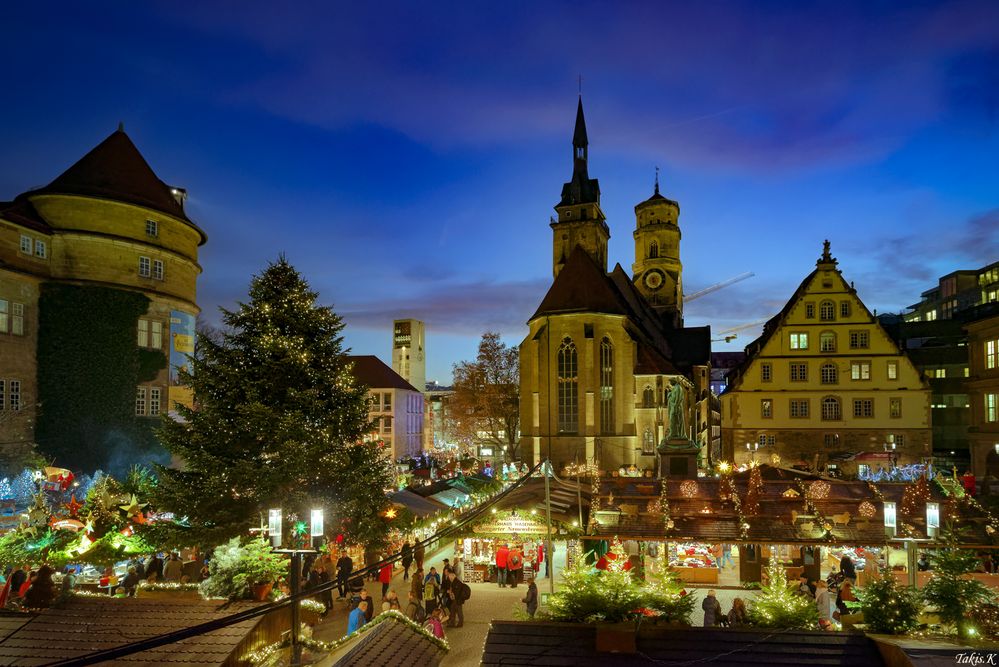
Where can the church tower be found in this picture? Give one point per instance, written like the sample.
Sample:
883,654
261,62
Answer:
580,220
657,271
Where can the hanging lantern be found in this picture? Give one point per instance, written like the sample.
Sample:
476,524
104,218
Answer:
819,489
688,488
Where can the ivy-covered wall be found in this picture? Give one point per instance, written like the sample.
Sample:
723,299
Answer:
88,369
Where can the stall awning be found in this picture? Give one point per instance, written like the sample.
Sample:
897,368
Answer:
418,505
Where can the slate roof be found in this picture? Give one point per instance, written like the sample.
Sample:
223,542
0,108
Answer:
116,170
392,642
87,624
24,214
373,372
582,287
637,500
574,645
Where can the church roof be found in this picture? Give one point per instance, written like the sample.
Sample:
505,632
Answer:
581,286
116,170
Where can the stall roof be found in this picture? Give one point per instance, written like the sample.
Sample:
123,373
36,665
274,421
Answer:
417,504
531,495
629,508
450,497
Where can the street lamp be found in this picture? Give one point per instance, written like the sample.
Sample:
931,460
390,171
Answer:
892,457
274,529
752,447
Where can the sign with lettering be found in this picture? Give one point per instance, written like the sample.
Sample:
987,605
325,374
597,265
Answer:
512,524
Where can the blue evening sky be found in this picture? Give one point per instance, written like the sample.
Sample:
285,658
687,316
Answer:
406,156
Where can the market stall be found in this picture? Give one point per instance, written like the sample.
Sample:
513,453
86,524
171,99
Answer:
693,562
521,531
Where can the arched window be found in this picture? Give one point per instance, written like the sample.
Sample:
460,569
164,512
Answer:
568,388
654,250
648,397
648,442
831,409
606,386
827,341
829,374
827,311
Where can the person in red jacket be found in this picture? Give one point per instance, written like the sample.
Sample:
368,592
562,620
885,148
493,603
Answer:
501,565
385,576
515,565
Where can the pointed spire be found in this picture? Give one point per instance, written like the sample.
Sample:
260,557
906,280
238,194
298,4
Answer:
657,180
121,126
579,136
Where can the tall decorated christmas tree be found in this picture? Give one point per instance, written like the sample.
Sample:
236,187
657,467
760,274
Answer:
278,422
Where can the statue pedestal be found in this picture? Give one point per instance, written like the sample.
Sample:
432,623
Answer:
678,458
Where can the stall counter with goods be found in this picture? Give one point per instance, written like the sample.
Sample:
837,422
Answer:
694,563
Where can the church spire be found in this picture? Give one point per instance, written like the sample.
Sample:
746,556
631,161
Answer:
579,140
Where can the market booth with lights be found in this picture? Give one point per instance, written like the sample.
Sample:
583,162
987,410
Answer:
725,529
520,520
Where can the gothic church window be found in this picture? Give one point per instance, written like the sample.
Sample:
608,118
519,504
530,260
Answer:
606,386
648,397
648,442
568,387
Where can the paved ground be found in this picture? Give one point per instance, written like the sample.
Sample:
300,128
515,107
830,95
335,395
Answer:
488,602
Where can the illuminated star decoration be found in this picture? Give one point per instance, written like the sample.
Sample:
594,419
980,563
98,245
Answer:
133,507
73,506
390,513
88,527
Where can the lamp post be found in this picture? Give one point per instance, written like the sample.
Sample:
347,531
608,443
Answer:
316,524
752,447
892,457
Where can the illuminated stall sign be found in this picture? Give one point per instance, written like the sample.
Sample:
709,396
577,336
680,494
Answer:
520,525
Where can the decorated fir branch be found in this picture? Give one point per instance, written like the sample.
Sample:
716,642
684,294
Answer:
914,498
664,509
808,494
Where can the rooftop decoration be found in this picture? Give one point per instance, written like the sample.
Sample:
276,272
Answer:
819,489
688,488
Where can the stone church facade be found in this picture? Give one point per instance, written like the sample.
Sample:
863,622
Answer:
604,347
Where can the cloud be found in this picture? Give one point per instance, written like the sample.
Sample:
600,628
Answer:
469,308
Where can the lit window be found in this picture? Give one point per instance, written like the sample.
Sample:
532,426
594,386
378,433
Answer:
860,370
892,370
859,340
827,341
154,401
799,341
568,388
26,244
767,408
931,315
387,402
40,249
991,407
143,333
827,311
766,372
991,353
897,439
156,335
844,309
158,269
830,408
17,319
14,397
895,408
799,372
810,311
140,401
799,407
829,374
144,269
152,228
938,373
863,407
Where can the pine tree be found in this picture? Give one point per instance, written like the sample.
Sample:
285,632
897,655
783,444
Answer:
949,592
914,498
279,422
779,606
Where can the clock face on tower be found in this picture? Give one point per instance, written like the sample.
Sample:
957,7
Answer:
654,279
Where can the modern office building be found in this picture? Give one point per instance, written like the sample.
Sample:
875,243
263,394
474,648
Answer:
409,352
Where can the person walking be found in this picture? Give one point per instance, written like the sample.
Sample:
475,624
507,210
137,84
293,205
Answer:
407,559
358,617
458,592
431,589
712,609
502,555
418,555
344,566
515,565
737,615
726,556
531,599
416,586
385,576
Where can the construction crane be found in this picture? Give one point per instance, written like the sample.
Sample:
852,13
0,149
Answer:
728,335
717,286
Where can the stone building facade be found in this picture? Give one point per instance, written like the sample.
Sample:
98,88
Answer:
605,347
825,384
108,221
983,396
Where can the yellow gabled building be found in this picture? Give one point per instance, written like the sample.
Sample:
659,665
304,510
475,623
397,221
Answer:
825,384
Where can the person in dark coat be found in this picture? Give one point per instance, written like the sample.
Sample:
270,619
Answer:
154,568
130,581
407,559
531,599
712,610
18,578
344,566
418,555
42,590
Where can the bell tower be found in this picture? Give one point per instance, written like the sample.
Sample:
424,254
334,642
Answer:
657,271
579,219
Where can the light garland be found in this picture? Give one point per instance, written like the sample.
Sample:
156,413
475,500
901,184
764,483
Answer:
867,509
819,490
689,488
